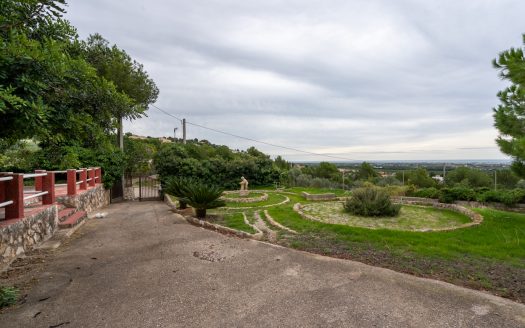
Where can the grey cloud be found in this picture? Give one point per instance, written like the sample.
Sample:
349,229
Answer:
395,72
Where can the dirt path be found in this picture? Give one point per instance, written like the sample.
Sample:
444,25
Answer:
143,266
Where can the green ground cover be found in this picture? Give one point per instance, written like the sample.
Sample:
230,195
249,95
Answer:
337,192
489,256
234,221
410,218
273,198
250,195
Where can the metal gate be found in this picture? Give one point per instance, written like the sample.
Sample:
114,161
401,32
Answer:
117,192
149,188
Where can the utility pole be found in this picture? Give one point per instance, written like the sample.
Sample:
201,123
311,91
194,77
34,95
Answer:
444,171
184,131
174,134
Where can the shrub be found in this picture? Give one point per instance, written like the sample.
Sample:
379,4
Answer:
449,195
202,196
371,201
176,186
507,197
8,296
426,193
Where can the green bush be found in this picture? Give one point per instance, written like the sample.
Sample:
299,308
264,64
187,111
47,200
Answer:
449,195
371,201
8,296
176,186
426,193
507,197
202,196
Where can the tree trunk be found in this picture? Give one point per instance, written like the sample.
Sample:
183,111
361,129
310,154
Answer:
200,212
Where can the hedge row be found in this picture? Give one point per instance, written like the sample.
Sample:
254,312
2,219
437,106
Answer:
449,195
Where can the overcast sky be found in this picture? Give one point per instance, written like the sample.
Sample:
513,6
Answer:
356,79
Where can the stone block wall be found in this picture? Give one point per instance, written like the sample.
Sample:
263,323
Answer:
23,234
88,200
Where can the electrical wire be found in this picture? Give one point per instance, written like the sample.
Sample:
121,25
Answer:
254,140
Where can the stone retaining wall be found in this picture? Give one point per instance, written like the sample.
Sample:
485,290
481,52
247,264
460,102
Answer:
327,196
17,238
88,200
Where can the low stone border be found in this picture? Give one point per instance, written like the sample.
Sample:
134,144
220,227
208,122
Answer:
326,196
211,226
261,198
475,217
277,224
259,234
286,200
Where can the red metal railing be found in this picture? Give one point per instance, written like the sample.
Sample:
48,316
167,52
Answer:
13,195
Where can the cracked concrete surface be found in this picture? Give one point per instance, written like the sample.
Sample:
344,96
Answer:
143,266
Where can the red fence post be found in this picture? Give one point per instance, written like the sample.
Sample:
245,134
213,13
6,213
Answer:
92,177
3,186
83,178
49,186
15,191
71,182
99,175
38,180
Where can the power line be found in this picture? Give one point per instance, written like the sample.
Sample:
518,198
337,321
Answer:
163,111
254,140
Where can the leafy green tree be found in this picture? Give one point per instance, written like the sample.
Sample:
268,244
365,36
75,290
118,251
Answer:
509,115
420,178
506,179
468,177
366,171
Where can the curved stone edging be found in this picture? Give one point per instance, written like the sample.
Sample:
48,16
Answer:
261,198
259,234
211,226
475,217
277,224
264,206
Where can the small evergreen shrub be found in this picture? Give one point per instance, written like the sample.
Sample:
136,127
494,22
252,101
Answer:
202,196
176,186
507,197
8,296
371,201
449,195
427,193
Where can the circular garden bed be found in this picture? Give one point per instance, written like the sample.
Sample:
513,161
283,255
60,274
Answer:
410,218
251,197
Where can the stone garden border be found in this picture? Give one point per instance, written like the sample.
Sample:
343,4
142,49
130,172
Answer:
319,197
215,227
277,224
475,218
261,198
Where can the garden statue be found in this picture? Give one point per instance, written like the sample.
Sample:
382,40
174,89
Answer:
244,187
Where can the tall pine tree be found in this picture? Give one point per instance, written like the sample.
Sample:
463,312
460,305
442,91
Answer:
509,115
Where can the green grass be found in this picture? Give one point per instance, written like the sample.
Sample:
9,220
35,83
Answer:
8,296
500,237
337,192
234,221
410,217
273,198
237,195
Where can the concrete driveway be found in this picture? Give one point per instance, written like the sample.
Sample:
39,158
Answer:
143,266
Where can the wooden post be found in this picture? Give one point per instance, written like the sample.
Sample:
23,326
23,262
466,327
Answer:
71,182
39,180
83,178
49,186
92,177
15,192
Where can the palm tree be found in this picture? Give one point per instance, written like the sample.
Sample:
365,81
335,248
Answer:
202,196
176,186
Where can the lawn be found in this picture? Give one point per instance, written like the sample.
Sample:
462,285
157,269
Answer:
489,256
234,221
337,192
410,218
250,195
273,198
